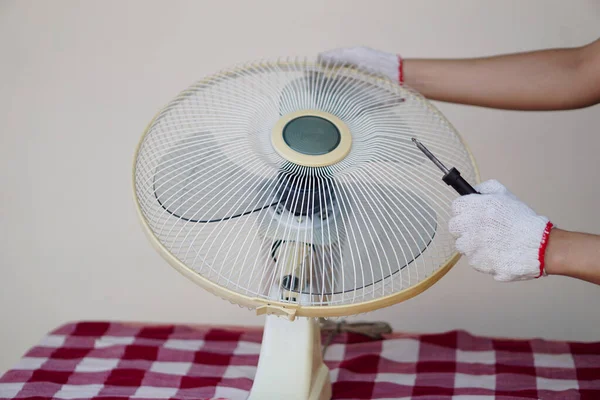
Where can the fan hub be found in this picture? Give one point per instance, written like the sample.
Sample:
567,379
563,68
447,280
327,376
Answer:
311,138
311,135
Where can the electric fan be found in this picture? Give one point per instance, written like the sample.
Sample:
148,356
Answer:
293,188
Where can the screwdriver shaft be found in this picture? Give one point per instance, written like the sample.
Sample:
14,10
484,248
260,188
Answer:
433,158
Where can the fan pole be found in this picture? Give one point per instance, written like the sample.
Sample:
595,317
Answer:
290,365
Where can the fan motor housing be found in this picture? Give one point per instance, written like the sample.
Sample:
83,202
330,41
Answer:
305,195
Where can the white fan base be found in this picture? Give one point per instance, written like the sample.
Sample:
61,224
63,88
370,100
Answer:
290,365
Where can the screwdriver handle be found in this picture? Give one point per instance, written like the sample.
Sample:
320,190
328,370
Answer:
453,178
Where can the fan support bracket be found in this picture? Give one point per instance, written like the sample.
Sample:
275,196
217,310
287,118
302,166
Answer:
281,311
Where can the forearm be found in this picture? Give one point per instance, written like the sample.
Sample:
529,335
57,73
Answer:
541,80
574,254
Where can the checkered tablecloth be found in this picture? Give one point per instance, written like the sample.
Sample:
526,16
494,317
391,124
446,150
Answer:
104,360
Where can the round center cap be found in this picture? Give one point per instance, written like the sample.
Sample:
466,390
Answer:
311,135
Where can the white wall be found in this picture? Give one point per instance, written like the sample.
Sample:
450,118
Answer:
80,80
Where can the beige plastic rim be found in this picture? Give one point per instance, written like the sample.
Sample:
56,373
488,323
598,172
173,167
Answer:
333,157
288,310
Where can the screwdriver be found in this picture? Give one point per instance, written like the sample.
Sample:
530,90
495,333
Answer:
451,176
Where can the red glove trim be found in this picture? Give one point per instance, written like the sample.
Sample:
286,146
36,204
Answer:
400,70
543,245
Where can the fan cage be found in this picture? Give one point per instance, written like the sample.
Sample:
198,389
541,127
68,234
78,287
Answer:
408,174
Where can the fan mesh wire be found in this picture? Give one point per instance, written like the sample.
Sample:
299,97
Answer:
220,199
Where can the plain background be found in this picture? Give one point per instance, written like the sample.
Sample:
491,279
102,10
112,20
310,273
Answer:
79,81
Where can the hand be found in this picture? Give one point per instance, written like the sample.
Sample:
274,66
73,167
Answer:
499,234
374,61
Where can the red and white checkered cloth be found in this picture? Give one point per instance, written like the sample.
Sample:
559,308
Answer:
93,360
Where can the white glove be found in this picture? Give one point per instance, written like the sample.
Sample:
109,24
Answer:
499,234
374,61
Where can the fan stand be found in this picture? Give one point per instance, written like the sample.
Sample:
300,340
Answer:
290,364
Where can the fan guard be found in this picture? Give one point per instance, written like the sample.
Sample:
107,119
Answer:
229,191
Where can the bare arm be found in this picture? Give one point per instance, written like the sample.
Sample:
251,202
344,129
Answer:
556,79
574,254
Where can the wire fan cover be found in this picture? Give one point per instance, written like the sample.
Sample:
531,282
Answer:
217,198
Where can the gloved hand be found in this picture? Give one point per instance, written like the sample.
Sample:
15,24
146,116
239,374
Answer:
374,61
499,234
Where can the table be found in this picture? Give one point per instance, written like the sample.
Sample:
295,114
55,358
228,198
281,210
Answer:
109,360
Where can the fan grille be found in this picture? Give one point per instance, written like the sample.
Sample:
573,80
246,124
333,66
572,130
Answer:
217,197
